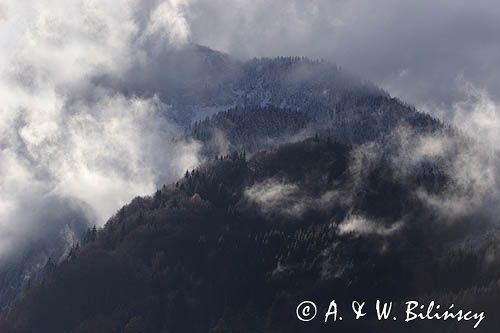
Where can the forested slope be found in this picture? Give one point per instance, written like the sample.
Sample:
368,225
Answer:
236,244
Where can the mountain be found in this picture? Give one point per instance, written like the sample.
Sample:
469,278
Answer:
317,195
229,104
237,243
305,97
197,82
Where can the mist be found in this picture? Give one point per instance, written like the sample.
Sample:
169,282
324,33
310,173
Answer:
73,151
441,56
83,128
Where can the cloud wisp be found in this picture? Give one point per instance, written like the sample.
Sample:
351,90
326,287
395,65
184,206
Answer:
467,156
280,198
359,225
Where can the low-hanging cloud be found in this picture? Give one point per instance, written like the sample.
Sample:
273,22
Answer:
281,198
475,163
276,197
467,156
441,56
359,225
66,141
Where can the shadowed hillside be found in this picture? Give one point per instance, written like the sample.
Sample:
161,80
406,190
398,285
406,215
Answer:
236,244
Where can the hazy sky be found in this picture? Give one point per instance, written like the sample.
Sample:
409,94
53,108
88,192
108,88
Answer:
422,51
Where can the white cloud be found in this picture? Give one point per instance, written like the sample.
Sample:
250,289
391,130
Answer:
286,199
167,21
471,159
359,225
65,138
275,197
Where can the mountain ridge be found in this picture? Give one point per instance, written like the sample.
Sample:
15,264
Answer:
304,193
